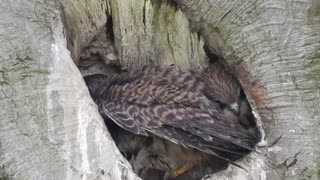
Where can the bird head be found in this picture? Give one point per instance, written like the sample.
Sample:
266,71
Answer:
234,107
221,86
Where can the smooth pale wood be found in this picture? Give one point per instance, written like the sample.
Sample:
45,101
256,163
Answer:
155,32
49,126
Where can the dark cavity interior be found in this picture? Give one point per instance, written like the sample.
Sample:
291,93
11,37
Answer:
143,152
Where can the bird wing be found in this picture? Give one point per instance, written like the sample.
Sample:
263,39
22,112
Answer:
171,104
122,114
158,85
189,126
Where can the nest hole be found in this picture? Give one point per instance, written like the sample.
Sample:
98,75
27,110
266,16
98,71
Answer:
100,57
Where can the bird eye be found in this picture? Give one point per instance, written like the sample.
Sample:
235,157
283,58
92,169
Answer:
221,105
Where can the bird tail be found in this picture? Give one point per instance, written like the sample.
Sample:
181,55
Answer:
220,149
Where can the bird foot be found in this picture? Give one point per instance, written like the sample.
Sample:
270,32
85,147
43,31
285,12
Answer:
180,171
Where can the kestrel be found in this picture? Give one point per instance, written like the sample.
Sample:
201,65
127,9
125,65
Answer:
207,112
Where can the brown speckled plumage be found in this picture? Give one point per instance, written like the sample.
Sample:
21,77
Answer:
220,85
179,106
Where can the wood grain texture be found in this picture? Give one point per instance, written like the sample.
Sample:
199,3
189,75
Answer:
82,21
49,127
273,47
155,32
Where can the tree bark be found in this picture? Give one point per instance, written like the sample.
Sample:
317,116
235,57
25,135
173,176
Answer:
273,46
50,128
155,32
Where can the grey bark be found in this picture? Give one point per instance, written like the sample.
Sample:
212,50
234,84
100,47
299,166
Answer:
50,129
49,126
274,47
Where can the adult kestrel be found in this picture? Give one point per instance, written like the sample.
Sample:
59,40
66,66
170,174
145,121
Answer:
206,112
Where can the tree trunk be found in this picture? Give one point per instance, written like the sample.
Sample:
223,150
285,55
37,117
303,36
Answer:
51,129
49,126
273,47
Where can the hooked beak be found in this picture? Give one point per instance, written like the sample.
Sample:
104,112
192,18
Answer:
235,108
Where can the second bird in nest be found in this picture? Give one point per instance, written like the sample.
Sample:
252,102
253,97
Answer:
205,112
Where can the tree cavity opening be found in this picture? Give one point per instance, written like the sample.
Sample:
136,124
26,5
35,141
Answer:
153,157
